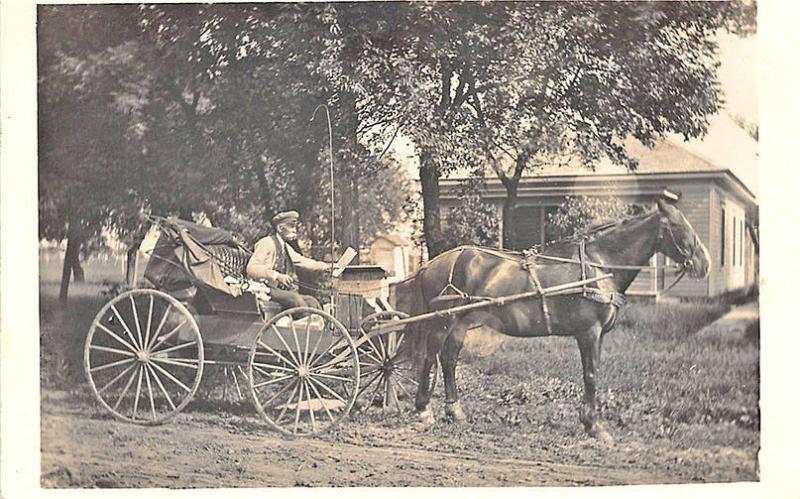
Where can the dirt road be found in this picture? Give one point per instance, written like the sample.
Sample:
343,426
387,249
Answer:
81,447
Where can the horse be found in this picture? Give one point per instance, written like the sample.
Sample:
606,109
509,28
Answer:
471,273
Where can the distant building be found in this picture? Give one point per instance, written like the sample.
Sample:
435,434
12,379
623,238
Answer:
719,206
395,254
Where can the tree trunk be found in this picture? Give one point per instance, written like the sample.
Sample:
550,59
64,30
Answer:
70,257
77,269
432,219
509,207
132,256
350,234
351,231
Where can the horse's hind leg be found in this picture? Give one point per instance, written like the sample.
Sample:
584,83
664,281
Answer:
423,397
589,345
449,358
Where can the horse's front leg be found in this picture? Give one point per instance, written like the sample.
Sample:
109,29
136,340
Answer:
589,345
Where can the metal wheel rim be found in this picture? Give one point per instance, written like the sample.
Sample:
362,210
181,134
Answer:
288,366
147,371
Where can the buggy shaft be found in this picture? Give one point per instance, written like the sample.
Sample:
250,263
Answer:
484,303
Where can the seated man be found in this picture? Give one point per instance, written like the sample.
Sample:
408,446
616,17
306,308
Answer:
274,261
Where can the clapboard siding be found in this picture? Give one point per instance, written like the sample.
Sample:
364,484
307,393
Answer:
700,196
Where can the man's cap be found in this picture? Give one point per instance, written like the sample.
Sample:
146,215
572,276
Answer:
285,216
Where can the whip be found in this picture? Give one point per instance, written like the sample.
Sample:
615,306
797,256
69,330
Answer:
333,206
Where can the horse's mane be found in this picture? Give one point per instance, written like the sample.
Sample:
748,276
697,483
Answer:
587,233
593,231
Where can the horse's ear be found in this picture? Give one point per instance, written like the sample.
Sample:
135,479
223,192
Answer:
663,206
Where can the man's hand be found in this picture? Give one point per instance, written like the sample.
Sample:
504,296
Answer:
284,280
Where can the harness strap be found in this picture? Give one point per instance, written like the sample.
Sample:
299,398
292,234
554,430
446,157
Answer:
530,265
450,286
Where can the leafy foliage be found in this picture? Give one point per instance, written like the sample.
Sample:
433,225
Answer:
472,221
578,213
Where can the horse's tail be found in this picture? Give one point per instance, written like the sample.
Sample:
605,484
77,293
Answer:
409,298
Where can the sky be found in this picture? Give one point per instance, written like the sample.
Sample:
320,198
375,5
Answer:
726,144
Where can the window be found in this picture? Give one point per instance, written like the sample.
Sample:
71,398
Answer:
722,240
733,243
741,242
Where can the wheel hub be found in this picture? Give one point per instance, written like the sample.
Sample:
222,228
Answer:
143,357
302,371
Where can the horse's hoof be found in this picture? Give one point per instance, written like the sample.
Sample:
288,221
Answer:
601,435
455,412
425,417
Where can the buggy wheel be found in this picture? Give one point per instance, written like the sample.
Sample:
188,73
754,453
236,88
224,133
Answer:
387,374
143,356
303,371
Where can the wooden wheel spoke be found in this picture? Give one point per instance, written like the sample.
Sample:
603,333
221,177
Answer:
111,364
271,381
394,396
406,378
399,341
286,405
173,348
337,357
161,386
160,326
124,391
365,373
375,350
399,361
322,402
138,391
150,393
171,377
136,321
277,394
296,341
403,388
277,354
332,376
236,384
371,398
117,337
311,359
370,352
310,408
192,363
149,323
124,325
115,379
272,366
307,334
381,342
369,383
169,335
286,345
112,350
327,389
297,408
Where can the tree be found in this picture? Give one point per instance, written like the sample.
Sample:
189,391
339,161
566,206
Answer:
583,77
194,109
78,180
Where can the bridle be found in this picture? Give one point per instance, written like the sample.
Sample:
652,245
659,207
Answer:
687,255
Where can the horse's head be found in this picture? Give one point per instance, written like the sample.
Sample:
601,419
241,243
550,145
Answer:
680,242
